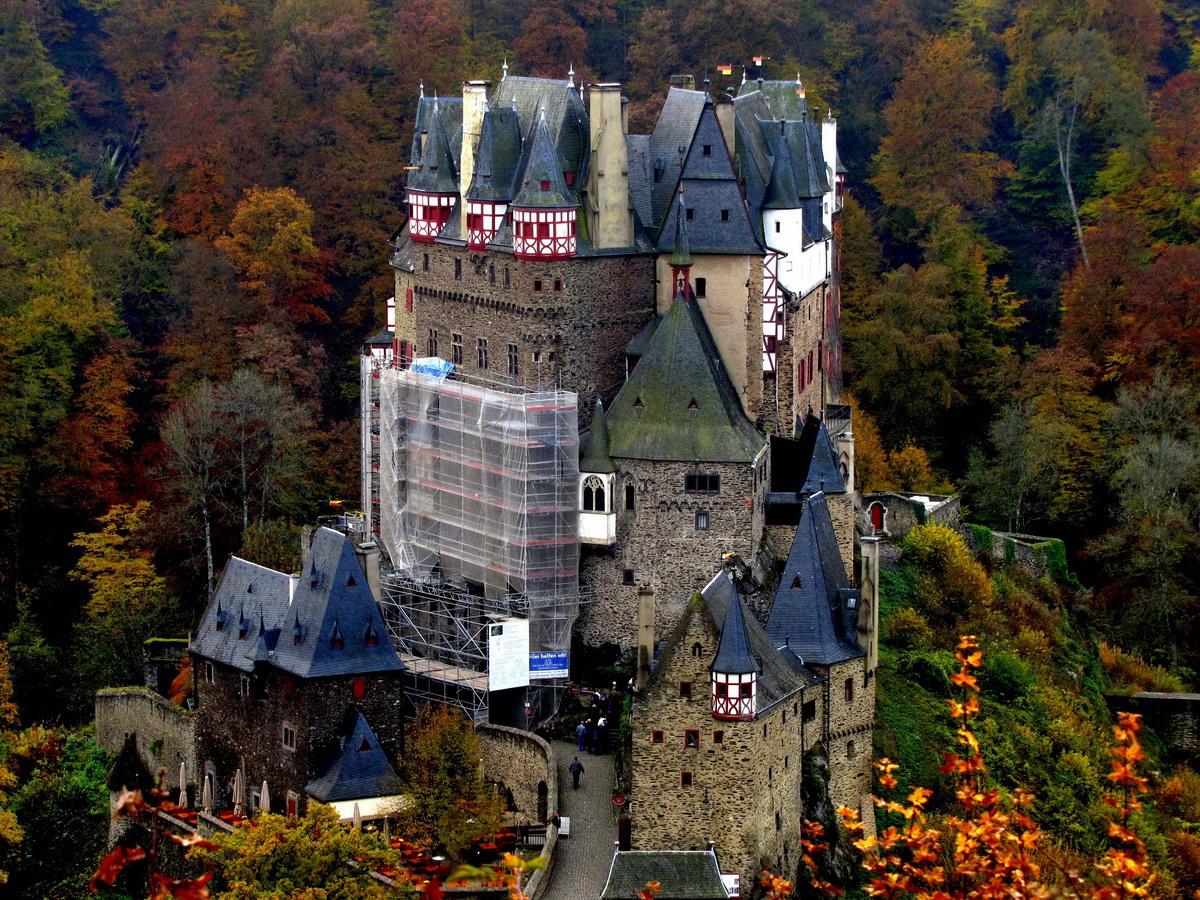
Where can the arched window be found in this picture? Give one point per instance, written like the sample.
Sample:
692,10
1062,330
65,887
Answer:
697,649
629,496
593,495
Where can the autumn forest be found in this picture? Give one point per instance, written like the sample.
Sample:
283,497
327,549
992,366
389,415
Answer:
196,200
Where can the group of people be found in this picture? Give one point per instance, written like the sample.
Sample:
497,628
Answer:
592,735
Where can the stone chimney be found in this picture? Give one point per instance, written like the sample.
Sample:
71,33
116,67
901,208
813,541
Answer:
474,105
868,609
645,636
723,103
610,220
368,560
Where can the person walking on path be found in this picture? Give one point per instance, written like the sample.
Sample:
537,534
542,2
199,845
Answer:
580,733
576,770
601,735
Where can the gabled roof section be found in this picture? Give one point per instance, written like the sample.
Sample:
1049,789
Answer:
263,619
814,606
707,154
593,454
669,142
438,173
681,874
733,653
678,403
449,109
709,231
360,771
824,472
542,185
498,158
682,253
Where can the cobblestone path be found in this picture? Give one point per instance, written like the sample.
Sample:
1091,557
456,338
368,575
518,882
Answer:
583,859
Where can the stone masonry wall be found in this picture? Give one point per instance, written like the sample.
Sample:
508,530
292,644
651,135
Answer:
234,731
745,793
166,733
522,762
849,730
806,335
571,331
844,515
659,542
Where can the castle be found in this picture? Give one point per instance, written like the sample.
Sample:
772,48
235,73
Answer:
607,403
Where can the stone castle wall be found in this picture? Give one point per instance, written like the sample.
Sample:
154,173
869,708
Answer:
522,762
659,543
569,319
843,513
166,733
849,735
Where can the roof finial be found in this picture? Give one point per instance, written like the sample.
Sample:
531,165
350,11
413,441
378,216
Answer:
571,75
504,69
422,88
743,74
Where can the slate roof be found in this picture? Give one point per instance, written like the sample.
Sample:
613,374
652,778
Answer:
783,97
682,252
361,770
498,157
733,653
782,192
382,339
449,109
566,116
264,619
641,341
640,194
670,139
593,450
824,472
691,874
678,403
543,186
814,609
438,173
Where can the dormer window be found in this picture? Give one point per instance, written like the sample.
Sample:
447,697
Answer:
545,184
337,642
637,402
707,150
372,637
569,178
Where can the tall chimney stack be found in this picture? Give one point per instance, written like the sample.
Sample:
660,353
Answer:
610,219
645,636
474,106
868,608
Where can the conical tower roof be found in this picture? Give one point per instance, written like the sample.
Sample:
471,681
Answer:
542,186
782,192
498,157
733,653
594,456
437,174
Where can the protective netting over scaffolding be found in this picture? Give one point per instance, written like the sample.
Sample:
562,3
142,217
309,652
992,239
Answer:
478,513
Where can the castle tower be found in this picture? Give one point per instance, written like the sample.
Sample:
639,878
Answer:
433,189
734,670
493,184
474,107
609,215
544,211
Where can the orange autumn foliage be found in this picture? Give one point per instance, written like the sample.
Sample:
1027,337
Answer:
991,846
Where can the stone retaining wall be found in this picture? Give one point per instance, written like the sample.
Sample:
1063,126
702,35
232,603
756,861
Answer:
166,733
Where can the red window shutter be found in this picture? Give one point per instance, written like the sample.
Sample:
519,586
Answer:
408,300
360,688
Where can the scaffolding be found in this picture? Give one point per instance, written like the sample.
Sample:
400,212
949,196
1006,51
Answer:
371,369
478,513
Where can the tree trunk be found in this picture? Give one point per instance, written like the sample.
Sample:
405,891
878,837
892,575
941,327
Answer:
1063,146
208,549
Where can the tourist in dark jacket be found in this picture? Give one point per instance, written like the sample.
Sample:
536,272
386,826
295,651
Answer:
576,769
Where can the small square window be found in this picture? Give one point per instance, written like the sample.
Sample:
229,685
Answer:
210,674
701,287
627,576
724,215
685,690
685,779
810,710
656,737
707,150
718,737
558,284
777,226
691,739
289,737
691,213
244,686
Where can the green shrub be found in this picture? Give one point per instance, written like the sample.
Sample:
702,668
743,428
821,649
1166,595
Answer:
1006,676
906,628
930,669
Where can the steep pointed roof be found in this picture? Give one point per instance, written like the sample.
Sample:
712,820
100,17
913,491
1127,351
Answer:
565,113
498,157
672,135
360,771
542,185
682,254
437,173
329,598
678,403
733,653
781,189
786,99
814,608
593,454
